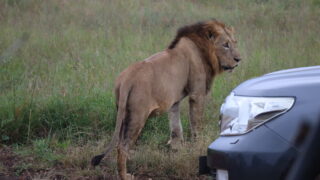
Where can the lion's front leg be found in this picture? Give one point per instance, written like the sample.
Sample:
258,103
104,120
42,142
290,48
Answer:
196,104
176,136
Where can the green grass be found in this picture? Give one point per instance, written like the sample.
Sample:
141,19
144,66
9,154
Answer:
59,60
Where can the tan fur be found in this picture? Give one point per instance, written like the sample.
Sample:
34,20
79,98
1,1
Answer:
160,82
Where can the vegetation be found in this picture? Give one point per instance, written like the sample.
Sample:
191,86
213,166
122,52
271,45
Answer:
59,60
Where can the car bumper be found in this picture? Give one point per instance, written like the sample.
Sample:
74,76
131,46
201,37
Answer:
260,154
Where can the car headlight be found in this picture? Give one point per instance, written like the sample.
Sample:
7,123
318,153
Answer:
240,114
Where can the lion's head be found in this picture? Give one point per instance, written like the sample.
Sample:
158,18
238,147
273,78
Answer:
216,42
225,44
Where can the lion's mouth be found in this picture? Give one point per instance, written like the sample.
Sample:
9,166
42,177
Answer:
226,68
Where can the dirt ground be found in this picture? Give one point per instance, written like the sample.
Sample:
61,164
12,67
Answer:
11,168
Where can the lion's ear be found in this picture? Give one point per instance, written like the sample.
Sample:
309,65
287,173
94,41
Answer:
231,29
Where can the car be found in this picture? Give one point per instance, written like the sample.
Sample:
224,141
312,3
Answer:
269,129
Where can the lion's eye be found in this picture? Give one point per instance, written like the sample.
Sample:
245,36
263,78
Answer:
226,45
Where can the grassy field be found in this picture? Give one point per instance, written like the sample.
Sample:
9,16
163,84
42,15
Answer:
59,60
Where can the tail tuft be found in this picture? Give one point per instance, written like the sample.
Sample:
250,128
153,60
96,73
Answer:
96,160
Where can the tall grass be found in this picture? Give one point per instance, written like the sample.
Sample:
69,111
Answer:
57,84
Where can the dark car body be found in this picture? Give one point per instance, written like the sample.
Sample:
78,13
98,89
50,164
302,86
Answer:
277,148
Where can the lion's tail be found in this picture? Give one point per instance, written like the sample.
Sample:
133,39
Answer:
121,115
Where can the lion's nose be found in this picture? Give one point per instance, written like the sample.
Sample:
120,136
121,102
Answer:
237,59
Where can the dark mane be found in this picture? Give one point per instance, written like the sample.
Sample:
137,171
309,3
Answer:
187,31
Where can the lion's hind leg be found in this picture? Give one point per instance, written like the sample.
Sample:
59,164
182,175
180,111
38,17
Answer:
131,131
122,160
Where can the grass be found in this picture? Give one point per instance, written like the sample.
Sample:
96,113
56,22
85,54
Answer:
59,60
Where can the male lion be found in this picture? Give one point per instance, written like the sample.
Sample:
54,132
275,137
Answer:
198,53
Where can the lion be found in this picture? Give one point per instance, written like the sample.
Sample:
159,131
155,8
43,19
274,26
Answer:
158,84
